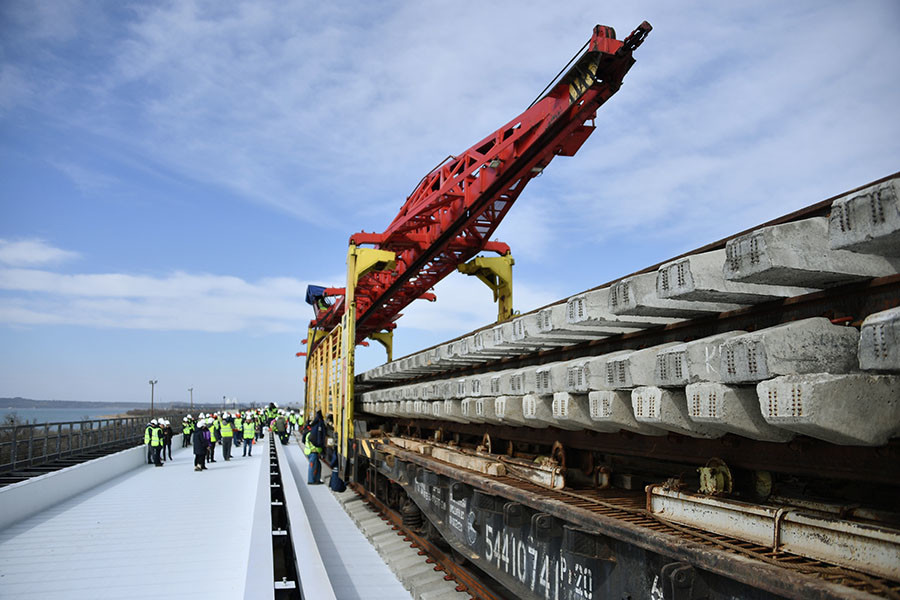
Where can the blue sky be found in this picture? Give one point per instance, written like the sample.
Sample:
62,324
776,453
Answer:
173,174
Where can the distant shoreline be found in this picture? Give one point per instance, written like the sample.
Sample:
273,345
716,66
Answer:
50,414
28,403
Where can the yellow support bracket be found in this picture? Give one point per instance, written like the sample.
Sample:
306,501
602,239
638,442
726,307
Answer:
370,259
386,339
496,273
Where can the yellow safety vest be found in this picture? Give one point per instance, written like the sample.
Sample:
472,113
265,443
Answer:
310,448
227,430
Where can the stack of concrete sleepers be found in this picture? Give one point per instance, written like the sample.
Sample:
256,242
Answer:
812,377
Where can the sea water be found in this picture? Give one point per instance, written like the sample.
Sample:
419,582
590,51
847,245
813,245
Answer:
63,415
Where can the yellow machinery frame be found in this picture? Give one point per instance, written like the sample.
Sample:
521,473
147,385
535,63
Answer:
331,364
330,369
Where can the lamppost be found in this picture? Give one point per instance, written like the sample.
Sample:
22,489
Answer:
191,390
223,402
153,383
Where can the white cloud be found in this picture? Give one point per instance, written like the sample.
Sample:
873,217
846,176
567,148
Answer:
278,102
732,115
180,301
86,179
712,134
32,253
531,228
184,301
465,304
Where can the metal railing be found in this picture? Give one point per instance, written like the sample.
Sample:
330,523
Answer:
28,445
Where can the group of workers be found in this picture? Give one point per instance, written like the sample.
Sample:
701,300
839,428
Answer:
229,430
158,439
235,430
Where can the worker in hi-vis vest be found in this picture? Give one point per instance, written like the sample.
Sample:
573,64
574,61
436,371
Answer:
249,435
261,422
187,428
153,437
238,430
213,438
315,445
147,429
226,431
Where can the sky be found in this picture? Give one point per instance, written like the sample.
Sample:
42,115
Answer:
174,174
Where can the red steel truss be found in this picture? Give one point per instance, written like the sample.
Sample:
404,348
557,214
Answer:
455,209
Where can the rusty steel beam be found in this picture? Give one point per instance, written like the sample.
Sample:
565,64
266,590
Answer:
774,578
802,456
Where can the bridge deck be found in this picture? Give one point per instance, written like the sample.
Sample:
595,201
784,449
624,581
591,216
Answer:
174,532
354,567
148,530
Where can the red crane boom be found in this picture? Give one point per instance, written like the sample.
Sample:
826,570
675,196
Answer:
455,208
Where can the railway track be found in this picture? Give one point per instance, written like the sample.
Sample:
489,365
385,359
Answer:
639,442
467,580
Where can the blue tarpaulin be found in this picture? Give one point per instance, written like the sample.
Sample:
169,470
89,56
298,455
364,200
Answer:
313,293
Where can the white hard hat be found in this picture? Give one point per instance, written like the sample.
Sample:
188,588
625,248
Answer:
153,421
189,417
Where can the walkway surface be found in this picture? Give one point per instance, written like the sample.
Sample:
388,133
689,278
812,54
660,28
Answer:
356,570
150,533
171,532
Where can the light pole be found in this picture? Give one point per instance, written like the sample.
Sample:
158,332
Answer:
153,383
191,390
223,402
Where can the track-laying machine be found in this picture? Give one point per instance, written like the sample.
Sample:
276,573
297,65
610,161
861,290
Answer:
721,425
